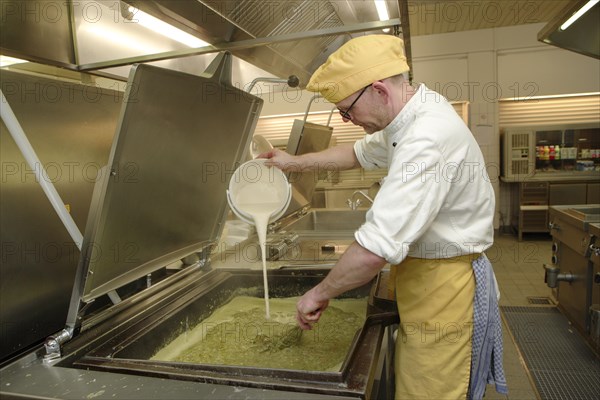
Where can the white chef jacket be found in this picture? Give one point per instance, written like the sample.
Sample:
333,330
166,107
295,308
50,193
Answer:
437,200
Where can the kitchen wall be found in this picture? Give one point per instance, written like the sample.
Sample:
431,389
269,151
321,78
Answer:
486,65
481,67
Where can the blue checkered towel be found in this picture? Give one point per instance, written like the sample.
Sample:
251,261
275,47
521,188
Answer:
486,360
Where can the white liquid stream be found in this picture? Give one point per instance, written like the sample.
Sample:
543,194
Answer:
260,201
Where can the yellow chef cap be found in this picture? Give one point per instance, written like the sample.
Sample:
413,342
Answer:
358,63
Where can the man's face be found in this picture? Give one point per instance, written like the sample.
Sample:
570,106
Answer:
361,109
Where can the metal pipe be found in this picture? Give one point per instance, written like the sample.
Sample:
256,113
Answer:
334,109
316,96
35,164
292,81
405,24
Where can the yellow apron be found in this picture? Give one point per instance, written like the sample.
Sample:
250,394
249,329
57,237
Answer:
433,347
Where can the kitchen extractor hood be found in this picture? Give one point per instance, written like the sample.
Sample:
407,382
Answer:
281,38
581,35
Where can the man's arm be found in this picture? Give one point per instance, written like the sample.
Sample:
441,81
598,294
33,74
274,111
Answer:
356,267
335,158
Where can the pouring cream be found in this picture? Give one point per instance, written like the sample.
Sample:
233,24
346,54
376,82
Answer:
258,194
251,200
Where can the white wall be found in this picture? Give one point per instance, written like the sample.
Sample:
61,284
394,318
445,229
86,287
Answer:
486,65
481,67
288,101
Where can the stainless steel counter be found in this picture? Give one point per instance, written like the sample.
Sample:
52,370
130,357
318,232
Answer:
30,378
571,273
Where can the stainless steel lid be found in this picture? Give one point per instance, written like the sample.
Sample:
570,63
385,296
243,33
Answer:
162,195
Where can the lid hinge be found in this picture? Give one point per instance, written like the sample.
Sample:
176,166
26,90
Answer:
54,343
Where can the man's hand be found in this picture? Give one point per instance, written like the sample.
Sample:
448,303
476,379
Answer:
356,267
309,309
282,160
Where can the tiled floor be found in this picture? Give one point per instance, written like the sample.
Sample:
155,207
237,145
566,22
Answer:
520,274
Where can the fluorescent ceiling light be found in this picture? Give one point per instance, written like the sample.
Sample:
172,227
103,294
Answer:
382,12
5,61
120,39
158,26
578,14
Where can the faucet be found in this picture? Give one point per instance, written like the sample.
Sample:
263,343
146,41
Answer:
354,203
553,275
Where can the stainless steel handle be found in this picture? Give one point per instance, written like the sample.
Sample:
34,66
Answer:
595,250
552,226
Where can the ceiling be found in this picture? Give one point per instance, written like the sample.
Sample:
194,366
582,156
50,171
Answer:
444,16
583,36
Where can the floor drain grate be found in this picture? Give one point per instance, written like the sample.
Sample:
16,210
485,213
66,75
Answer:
561,364
540,300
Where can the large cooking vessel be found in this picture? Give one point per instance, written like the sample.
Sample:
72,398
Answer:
127,344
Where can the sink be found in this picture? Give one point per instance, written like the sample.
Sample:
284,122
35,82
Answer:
322,235
587,210
329,220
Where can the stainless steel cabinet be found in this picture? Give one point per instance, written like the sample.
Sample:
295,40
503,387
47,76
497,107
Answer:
534,198
567,193
573,272
593,193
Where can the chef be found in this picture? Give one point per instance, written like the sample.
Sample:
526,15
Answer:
431,221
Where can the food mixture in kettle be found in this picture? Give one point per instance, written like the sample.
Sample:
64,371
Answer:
239,334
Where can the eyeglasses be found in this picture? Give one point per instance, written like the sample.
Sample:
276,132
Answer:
346,114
